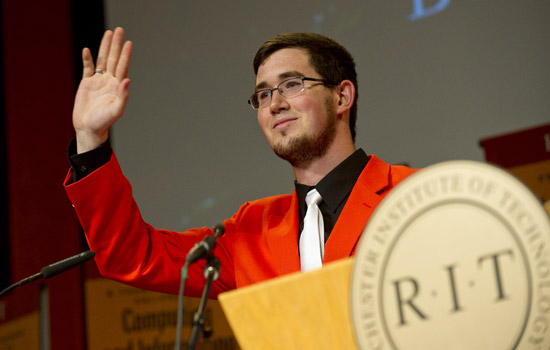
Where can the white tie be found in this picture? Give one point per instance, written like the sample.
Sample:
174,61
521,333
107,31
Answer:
312,239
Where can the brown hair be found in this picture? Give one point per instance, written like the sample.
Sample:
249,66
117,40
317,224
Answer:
331,60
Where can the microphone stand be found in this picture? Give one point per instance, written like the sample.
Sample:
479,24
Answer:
211,273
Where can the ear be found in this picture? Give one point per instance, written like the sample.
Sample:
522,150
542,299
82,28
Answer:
346,96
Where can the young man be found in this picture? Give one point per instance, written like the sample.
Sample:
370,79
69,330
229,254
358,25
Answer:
306,93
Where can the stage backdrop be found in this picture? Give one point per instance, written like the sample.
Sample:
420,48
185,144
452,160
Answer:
435,78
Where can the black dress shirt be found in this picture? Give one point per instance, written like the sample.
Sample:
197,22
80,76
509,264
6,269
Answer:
84,163
334,188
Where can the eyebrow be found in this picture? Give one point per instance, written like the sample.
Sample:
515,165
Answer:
282,76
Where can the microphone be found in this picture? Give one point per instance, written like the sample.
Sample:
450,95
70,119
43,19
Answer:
203,248
54,269
66,264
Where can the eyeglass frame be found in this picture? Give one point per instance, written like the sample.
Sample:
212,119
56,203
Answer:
324,81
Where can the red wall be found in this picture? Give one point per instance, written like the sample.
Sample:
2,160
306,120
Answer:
39,92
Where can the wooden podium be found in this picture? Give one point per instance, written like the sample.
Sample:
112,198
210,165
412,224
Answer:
299,311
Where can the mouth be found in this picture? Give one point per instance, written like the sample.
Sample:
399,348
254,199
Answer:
282,123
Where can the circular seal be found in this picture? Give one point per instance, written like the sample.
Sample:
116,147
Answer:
455,257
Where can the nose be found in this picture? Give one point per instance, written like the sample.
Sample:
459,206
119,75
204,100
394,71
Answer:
278,102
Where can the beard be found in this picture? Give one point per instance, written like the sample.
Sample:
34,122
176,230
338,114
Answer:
304,149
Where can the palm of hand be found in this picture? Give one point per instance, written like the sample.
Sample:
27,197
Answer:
97,105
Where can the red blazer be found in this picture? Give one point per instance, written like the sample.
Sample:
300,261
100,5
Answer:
260,240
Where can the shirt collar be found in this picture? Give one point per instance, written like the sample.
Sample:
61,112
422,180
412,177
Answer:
337,184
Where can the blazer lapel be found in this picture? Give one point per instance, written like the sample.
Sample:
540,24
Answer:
282,238
281,230
363,198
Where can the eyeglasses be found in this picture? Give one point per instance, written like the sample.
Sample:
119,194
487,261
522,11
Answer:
287,88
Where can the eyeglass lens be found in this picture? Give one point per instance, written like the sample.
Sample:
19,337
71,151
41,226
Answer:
286,88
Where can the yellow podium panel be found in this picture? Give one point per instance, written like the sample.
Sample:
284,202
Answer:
23,333
283,311
120,317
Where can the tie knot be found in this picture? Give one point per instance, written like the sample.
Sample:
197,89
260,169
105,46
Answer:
313,197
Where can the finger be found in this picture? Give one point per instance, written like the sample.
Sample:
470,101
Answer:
104,50
122,94
123,89
114,50
124,61
87,63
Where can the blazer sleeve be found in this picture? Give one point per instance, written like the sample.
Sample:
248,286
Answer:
133,252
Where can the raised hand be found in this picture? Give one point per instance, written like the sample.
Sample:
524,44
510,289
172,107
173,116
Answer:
103,90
